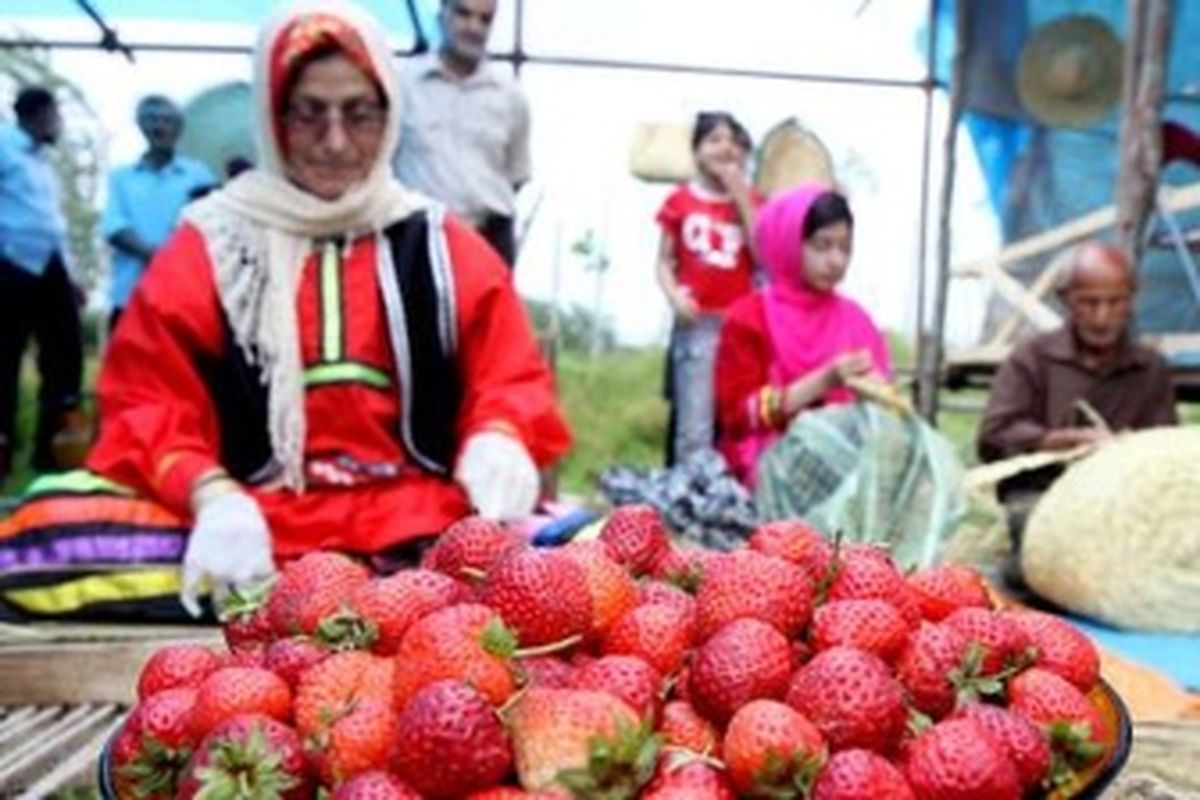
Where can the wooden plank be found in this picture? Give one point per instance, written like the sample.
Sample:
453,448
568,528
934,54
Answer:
27,725
79,768
1162,763
94,672
1018,296
1172,198
40,752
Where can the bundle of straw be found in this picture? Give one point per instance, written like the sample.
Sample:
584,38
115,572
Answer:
1117,537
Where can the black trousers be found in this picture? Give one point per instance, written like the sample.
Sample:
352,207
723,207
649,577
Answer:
500,234
42,307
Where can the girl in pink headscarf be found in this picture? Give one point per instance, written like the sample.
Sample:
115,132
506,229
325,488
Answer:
792,345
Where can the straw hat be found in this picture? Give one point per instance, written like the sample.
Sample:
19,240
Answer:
790,155
1069,71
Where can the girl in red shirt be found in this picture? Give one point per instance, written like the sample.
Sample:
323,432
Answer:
705,263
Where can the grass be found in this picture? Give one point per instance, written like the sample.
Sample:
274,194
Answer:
616,410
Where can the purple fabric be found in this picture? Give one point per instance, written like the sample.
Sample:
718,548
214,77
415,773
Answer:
56,548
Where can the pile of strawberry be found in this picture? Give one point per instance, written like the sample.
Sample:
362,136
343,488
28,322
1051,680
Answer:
618,668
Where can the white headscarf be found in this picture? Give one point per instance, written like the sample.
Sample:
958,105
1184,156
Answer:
260,229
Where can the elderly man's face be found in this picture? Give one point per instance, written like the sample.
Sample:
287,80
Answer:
465,26
161,125
333,125
1100,302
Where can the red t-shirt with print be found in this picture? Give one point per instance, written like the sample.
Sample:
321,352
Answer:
712,257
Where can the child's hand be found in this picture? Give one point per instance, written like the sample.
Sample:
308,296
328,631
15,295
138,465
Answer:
686,307
850,364
731,174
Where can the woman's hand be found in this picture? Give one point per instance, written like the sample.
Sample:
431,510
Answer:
229,547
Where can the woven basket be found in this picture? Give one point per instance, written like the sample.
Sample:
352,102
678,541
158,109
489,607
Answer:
1117,537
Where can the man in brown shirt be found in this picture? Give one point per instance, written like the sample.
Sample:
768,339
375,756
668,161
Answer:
1039,393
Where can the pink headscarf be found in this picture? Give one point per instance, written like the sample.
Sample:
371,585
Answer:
807,327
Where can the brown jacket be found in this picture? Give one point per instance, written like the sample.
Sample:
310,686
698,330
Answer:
1036,390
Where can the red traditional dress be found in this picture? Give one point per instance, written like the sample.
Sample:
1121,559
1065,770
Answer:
365,490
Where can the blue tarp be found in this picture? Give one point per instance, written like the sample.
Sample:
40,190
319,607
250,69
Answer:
1041,177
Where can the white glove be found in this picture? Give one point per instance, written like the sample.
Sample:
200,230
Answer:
499,476
229,546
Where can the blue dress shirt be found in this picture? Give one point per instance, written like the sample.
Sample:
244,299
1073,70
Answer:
32,226
147,201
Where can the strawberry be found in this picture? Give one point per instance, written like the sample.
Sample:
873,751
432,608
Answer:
587,742
682,727
945,588
362,739
1002,642
612,590
870,625
772,750
549,672
1025,745
625,677
239,690
682,567
865,572
956,759
852,698
244,619
1061,647
654,592
1077,731
537,593
467,642
929,666
311,588
154,745
513,793
249,755
688,779
470,548
746,660
748,584
860,774
329,690
658,634
450,742
635,537
290,658
794,541
176,667
374,785
390,605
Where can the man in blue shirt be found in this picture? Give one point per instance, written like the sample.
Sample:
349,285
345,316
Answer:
145,198
37,295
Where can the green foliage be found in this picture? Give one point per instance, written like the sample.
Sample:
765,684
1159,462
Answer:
615,406
575,329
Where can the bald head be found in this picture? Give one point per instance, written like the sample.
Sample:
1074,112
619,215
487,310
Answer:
1097,263
1097,288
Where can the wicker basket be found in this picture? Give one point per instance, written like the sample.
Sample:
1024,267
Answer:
1117,537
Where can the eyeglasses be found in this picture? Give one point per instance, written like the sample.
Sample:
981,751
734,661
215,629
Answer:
313,118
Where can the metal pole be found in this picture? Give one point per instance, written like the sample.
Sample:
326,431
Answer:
931,368
926,165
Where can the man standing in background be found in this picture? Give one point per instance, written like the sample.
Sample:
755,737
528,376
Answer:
465,137
145,198
37,295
